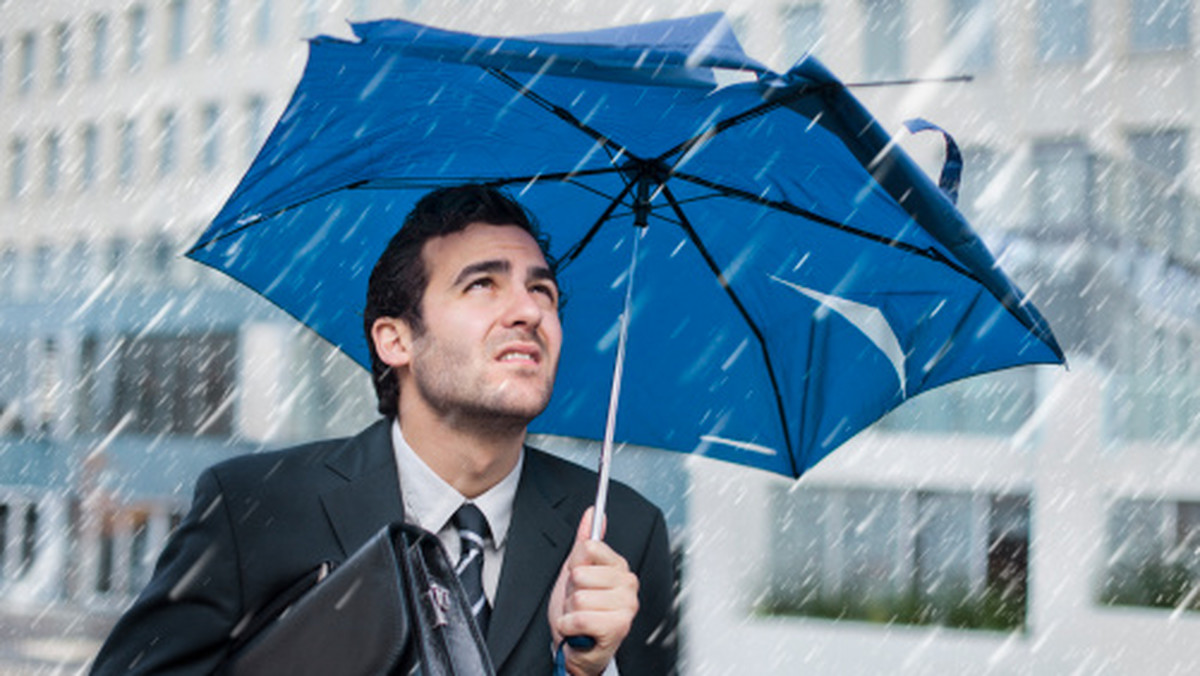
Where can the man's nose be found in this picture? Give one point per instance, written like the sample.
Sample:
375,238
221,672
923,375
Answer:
523,308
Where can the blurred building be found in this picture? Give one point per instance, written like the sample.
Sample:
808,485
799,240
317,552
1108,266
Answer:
1033,521
1037,521
125,369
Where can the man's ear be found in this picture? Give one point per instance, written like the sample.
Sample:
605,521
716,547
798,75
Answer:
393,341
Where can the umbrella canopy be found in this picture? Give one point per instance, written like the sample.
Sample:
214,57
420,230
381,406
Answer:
797,275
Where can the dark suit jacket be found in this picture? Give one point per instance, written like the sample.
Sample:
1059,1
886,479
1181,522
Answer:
260,522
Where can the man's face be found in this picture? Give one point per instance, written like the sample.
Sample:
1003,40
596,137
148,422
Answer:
491,337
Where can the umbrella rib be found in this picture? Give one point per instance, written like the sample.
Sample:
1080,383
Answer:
787,98
744,116
928,252
418,182
737,302
574,251
558,111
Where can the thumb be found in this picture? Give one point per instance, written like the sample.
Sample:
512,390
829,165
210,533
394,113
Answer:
584,531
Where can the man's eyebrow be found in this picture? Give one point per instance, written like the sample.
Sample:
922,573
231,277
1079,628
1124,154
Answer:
489,266
543,273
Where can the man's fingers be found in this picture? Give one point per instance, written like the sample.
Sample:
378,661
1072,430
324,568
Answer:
607,627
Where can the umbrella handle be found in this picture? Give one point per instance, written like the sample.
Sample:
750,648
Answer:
614,398
610,426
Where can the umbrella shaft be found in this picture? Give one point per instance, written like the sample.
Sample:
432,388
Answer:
610,425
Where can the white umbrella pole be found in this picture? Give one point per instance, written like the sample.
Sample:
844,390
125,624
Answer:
610,426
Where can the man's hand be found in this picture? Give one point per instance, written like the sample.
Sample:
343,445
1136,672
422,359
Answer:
596,596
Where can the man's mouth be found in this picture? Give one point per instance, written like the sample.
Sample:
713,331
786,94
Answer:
520,354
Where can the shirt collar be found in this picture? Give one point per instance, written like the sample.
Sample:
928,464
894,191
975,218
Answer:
430,502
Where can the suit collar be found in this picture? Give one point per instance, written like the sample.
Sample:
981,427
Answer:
369,496
539,539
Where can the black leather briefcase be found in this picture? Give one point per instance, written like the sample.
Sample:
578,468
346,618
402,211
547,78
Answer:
394,607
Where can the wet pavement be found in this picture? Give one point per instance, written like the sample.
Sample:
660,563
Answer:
50,641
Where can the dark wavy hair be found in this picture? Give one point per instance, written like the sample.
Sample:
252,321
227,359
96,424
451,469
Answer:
399,278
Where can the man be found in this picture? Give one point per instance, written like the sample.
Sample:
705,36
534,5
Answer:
462,321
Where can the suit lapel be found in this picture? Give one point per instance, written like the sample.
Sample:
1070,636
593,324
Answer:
369,497
539,539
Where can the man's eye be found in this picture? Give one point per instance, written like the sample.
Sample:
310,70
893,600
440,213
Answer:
481,283
547,290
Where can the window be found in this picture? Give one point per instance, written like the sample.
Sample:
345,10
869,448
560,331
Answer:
176,30
162,252
4,554
86,401
62,54
1063,28
127,152
972,33
802,31
1156,193
8,283
17,166
99,56
210,149
219,36
29,538
1153,554
90,157
954,559
1062,184
177,384
27,54
1158,25
256,125
168,141
262,22
981,171
137,37
52,165
884,38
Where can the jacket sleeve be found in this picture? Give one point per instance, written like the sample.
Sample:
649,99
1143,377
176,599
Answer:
651,648
182,621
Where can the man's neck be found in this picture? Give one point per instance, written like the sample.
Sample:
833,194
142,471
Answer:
470,457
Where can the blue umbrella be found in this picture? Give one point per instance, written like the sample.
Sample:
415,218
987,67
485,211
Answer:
797,275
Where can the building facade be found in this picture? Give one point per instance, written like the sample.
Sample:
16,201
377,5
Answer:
1033,521
1036,521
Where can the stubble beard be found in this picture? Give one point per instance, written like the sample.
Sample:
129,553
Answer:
474,402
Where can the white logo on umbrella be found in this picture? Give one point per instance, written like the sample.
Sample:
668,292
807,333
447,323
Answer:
865,318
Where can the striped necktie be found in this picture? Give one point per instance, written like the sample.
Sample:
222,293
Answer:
472,532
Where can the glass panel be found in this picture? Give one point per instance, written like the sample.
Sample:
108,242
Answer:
1156,25
177,27
802,31
27,53
211,142
62,54
127,160
17,168
869,543
972,33
1063,28
137,37
99,57
90,168
1062,184
884,38
220,25
797,551
943,549
167,143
